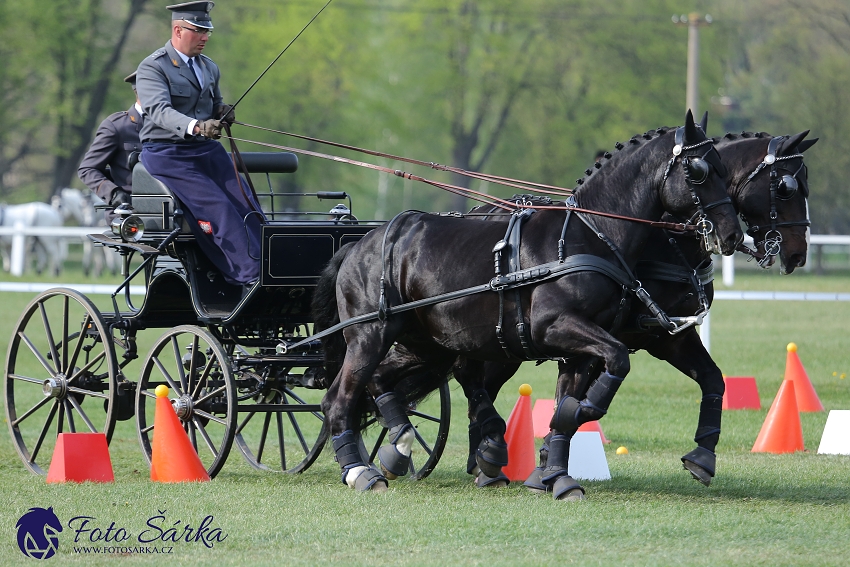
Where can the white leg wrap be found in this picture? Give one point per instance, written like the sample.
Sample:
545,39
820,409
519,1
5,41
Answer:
404,442
353,473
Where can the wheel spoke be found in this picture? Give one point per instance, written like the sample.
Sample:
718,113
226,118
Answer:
263,434
201,381
192,363
54,352
38,381
83,415
73,362
206,437
295,397
69,415
31,411
209,416
167,376
280,447
89,393
44,430
175,345
245,422
65,327
86,368
37,354
433,418
147,429
209,395
61,419
422,441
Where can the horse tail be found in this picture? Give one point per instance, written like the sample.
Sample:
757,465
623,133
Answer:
326,314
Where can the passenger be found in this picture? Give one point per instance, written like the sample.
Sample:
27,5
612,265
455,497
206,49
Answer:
104,168
179,91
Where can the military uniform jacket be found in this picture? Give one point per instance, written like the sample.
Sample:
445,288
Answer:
172,97
116,138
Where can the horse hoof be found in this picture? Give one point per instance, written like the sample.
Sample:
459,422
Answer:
573,495
379,486
388,474
697,472
484,481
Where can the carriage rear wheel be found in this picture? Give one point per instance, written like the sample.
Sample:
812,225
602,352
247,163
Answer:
430,419
60,375
280,430
193,365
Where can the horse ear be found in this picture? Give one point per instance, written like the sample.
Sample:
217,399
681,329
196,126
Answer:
704,122
790,145
690,128
806,144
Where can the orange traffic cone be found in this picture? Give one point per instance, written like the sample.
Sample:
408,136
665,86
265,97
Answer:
173,459
519,436
807,398
782,431
79,457
741,393
594,426
541,415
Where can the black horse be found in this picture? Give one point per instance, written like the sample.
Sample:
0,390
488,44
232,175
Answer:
767,182
577,272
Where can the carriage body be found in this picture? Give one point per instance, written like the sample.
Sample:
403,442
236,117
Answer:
222,352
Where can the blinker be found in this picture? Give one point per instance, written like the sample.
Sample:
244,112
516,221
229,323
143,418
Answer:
787,188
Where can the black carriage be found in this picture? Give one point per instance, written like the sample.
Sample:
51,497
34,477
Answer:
223,354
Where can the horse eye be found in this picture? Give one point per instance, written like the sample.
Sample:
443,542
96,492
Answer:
787,187
698,170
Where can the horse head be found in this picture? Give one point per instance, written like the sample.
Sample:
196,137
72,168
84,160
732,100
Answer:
771,193
694,188
72,203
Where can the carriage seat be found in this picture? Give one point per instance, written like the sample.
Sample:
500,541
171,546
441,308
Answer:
154,202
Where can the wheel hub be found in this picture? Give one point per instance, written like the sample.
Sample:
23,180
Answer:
183,407
55,387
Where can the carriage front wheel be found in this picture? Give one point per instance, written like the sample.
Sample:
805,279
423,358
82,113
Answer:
61,375
196,369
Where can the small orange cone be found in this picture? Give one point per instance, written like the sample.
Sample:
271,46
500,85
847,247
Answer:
541,415
741,393
594,426
173,459
79,457
519,436
782,431
807,398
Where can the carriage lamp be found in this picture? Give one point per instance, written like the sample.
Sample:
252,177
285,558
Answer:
128,226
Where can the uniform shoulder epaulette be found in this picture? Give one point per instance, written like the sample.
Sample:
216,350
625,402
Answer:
115,116
158,53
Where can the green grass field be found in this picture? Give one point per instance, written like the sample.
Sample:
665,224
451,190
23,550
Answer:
760,509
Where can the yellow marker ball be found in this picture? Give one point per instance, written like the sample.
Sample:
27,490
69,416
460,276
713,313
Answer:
622,450
161,391
792,347
843,376
525,390
835,373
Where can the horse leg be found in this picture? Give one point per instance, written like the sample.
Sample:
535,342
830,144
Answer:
577,335
574,376
402,370
688,355
366,347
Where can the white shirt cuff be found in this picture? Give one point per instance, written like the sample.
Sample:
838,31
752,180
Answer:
191,127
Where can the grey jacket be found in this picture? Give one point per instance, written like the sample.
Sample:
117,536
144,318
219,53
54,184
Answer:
171,96
104,166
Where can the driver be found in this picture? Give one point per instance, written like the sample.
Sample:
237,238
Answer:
179,91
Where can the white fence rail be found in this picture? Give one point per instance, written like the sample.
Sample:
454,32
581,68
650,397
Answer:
20,232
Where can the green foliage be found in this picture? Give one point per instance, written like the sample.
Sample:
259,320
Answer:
529,90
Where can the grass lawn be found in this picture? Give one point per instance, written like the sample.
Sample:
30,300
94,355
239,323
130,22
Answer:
760,509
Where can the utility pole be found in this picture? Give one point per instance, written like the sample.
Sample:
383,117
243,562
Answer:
694,21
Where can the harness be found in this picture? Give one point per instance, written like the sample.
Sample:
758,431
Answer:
782,188
696,169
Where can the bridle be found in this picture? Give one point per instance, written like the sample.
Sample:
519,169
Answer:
696,169
781,188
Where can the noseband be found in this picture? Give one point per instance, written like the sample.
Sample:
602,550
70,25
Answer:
697,169
782,188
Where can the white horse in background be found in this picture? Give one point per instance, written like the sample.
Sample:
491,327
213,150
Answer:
48,251
82,206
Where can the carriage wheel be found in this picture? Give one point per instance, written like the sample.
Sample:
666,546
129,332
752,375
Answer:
196,369
280,430
430,419
60,375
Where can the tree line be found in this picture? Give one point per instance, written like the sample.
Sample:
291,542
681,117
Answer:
528,89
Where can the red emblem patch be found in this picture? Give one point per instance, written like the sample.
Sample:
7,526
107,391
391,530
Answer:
206,226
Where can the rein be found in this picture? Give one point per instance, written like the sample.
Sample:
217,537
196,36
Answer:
472,194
